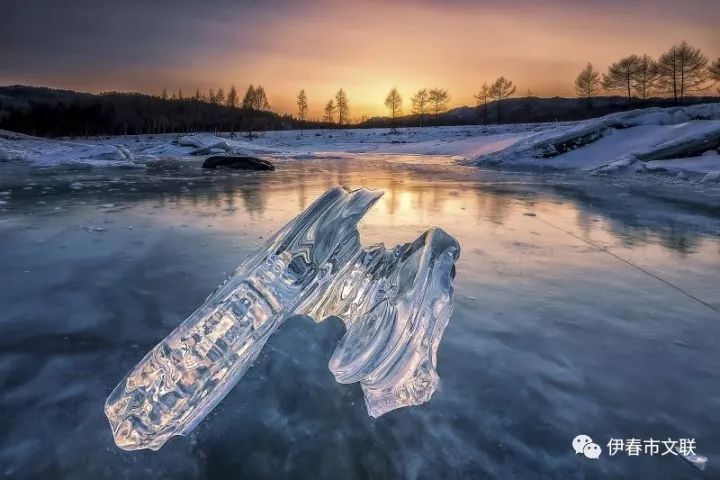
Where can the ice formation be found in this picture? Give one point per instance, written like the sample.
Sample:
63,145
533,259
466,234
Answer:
395,305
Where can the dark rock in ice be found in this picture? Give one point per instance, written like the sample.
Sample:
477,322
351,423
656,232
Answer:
237,162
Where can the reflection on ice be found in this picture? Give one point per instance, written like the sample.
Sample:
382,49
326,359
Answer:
532,306
395,305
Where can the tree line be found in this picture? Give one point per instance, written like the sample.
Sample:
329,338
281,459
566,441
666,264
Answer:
675,74
255,97
113,113
425,102
432,102
683,69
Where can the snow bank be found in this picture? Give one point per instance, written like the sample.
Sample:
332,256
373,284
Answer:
115,152
702,164
464,142
45,152
626,140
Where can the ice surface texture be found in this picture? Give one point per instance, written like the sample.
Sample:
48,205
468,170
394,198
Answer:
395,305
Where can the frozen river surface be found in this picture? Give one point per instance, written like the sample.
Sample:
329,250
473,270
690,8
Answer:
580,308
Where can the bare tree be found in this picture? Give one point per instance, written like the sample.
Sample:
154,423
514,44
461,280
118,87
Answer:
255,99
714,72
620,75
232,101
393,102
329,116
261,101
420,102
645,78
482,98
250,102
220,97
343,107
302,104
587,84
500,90
682,70
439,100
232,97
249,98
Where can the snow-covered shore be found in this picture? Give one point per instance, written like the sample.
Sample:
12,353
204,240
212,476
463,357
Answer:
681,140
464,142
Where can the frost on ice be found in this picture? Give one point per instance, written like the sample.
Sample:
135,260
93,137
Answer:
395,305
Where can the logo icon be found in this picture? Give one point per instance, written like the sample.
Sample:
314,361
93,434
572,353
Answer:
592,450
584,444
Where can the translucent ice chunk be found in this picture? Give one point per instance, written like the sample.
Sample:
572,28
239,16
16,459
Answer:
395,305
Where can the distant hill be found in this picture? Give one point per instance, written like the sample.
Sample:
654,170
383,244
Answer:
534,109
52,112
23,96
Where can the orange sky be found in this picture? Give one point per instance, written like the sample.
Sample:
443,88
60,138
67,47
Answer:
364,47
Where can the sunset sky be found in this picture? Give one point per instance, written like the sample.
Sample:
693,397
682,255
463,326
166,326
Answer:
366,47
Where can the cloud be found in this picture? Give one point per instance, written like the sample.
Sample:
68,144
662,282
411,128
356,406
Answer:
50,35
324,44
